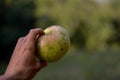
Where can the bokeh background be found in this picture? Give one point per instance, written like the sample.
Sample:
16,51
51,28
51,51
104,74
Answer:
94,28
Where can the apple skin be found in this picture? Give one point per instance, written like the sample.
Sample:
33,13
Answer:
54,44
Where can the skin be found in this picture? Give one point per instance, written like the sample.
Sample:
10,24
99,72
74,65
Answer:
24,64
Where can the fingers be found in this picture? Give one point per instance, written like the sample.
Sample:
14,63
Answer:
31,38
34,33
19,43
29,42
21,40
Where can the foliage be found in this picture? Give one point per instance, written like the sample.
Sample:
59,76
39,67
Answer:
88,22
92,25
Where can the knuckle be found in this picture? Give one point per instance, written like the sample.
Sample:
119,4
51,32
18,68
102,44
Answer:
32,31
28,48
21,38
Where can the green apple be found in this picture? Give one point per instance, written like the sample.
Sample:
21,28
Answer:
54,44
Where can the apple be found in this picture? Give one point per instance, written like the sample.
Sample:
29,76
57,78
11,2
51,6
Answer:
54,44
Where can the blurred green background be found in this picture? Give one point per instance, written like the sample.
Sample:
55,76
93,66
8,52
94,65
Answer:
94,28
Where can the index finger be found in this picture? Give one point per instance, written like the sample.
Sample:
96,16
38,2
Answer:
33,33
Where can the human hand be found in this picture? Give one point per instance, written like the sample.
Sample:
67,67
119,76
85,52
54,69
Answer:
24,64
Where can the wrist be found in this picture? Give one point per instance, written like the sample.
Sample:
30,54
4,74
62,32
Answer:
10,77
16,75
4,77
